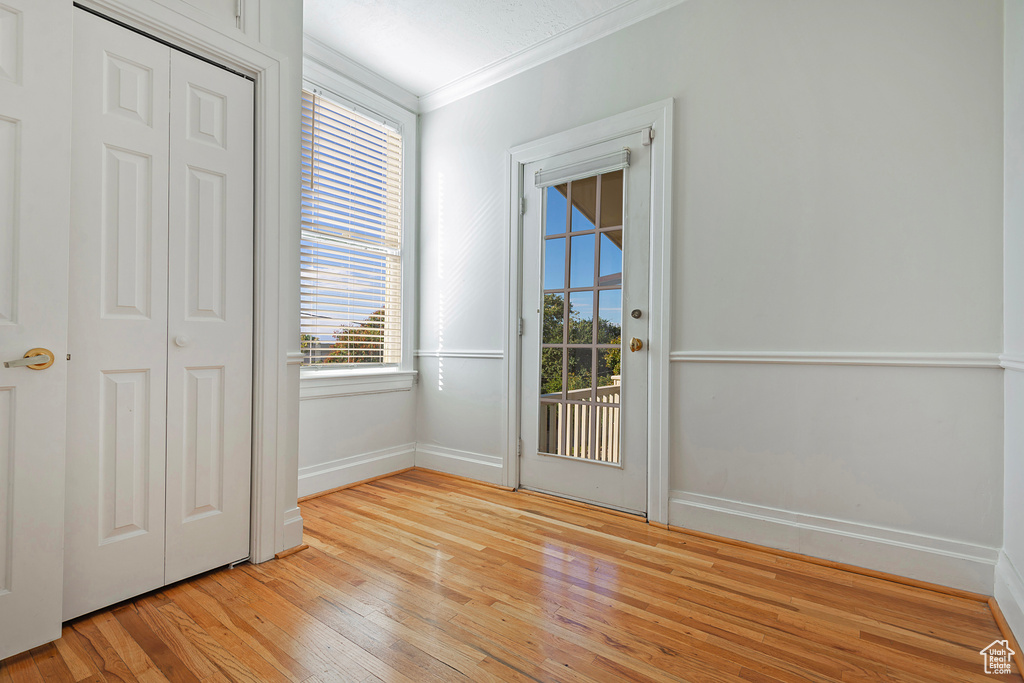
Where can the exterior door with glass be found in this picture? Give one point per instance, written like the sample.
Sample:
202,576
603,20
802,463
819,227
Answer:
585,294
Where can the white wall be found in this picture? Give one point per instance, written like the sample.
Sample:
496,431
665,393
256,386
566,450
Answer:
459,429
837,189
345,439
1009,590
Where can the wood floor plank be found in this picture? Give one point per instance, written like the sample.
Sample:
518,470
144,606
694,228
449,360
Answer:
228,660
423,578
183,648
51,665
77,660
22,669
267,641
104,657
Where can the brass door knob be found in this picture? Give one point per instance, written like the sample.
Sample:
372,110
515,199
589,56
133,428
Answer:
635,345
34,359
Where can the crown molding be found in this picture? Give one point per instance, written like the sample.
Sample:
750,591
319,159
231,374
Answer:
933,360
559,44
328,57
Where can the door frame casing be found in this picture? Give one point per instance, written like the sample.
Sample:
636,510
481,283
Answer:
276,522
657,116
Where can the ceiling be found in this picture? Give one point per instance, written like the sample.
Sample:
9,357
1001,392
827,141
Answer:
424,46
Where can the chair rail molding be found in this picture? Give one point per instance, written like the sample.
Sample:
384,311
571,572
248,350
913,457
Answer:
1012,362
496,354
900,359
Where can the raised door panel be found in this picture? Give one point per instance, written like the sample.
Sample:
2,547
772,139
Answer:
10,135
11,47
124,452
203,468
206,237
35,106
6,480
118,321
210,305
127,225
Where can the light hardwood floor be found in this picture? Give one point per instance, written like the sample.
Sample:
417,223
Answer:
421,577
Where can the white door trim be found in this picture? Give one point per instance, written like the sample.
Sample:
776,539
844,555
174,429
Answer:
659,117
276,522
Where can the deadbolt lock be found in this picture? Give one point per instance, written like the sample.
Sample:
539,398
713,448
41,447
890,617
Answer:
636,313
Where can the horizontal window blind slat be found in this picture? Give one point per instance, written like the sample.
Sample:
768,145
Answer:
350,274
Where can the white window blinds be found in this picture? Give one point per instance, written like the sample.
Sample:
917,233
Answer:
351,236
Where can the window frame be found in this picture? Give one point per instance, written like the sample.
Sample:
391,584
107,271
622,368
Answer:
322,382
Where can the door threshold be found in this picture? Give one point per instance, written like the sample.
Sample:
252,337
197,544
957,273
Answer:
600,507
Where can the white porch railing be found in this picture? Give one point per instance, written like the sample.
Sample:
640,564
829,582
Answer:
591,429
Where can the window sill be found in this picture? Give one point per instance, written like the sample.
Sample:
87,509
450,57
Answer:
315,384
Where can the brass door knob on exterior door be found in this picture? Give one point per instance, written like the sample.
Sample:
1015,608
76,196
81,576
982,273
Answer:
635,345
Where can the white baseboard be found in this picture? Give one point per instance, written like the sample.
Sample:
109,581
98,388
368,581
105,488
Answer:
292,529
926,558
353,468
477,466
1009,593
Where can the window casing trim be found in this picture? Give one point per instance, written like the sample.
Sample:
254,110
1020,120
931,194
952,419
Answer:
393,377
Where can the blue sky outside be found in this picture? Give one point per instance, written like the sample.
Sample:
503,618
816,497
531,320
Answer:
581,267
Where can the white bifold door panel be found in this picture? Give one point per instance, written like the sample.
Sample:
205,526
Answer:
159,383
35,105
114,545
209,314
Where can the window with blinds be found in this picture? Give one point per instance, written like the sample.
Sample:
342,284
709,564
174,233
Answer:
351,236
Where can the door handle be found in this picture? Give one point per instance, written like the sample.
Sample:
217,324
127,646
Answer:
34,359
635,345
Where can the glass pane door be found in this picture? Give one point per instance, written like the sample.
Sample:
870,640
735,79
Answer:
581,342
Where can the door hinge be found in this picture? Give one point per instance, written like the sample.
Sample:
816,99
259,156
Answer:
520,327
648,136
522,206
519,448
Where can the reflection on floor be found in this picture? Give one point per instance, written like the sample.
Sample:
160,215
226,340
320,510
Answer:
422,577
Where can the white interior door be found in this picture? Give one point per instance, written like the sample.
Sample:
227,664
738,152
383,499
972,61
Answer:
118,324
159,440
585,293
209,365
35,59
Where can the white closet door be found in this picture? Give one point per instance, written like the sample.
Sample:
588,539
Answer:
35,101
210,303
114,545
